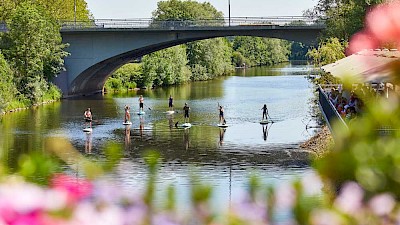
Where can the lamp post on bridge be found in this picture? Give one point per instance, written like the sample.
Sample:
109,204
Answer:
229,12
75,13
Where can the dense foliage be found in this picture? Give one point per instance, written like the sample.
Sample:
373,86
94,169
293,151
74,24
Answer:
7,89
124,78
328,51
209,58
343,19
166,67
258,51
33,48
58,9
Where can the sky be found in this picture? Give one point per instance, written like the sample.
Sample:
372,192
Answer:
126,9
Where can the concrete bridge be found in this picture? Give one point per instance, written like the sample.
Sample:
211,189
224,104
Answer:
99,48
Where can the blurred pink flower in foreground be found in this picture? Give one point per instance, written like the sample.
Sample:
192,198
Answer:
382,27
76,188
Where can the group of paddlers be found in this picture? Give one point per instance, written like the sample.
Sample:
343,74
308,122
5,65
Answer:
127,117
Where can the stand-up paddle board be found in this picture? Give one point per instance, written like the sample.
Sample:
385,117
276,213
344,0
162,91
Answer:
222,125
170,112
127,123
141,113
264,122
186,125
87,129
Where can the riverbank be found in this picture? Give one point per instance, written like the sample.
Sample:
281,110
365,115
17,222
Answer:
320,143
28,107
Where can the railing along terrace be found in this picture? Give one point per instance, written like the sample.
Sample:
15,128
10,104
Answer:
188,24
328,110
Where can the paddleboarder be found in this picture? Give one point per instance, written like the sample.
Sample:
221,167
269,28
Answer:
221,115
88,117
141,103
171,103
265,112
186,109
127,114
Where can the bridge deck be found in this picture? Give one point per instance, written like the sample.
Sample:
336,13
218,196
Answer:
152,24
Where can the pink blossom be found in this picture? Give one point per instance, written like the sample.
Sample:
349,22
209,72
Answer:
383,22
382,27
18,198
285,196
325,217
361,41
350,198
382,204
76,188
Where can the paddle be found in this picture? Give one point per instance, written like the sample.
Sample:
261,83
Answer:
270,118
147,106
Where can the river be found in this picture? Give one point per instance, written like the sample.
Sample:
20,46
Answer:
223,158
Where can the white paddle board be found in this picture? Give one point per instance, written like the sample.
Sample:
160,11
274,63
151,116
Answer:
141,113
87,129
170,112
186,125
222,125
264,122
127,123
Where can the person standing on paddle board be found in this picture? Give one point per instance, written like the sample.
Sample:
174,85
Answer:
88,117
186,109
171,103
221,115
141,103
265,112
127,114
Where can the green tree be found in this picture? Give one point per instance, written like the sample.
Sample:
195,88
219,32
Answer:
166,67
7,89
262,51
34,50
327,52
57,9
125,77
185,10
343,17
209,58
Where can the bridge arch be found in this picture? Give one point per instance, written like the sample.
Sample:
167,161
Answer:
95,54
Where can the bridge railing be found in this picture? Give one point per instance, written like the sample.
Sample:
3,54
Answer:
187,24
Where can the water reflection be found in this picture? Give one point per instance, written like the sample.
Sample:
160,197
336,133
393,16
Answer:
221,136
171,121
186,138
127,136
265,128
88,143
141,125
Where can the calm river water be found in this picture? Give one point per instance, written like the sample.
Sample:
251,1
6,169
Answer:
221,157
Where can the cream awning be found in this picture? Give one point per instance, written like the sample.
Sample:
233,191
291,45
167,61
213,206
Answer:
368,65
